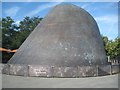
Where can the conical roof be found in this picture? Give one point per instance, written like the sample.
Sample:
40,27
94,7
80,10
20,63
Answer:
67,36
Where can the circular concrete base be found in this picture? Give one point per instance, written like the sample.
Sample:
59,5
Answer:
110,81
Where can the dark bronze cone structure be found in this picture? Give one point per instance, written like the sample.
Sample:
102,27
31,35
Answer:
67,36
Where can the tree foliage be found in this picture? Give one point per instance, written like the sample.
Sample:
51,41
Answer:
0,32
13,35
112,47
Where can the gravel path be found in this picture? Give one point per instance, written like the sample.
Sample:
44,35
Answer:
9,81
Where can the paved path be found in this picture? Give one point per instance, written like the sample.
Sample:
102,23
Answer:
10,81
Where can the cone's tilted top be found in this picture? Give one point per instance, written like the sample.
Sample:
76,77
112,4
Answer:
67,36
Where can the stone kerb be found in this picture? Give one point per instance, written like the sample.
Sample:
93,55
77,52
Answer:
59,72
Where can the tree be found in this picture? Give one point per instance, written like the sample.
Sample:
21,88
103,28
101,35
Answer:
26,26
8,32
117,47
105,42
112,48
29,23
14,35
0,32
0,39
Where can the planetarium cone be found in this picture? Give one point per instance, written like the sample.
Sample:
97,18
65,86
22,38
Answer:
67,36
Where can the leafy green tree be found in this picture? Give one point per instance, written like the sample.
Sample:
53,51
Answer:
105,41
117,48
0,32
26,26
14,35
29,23
8,32
112,47
0,39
